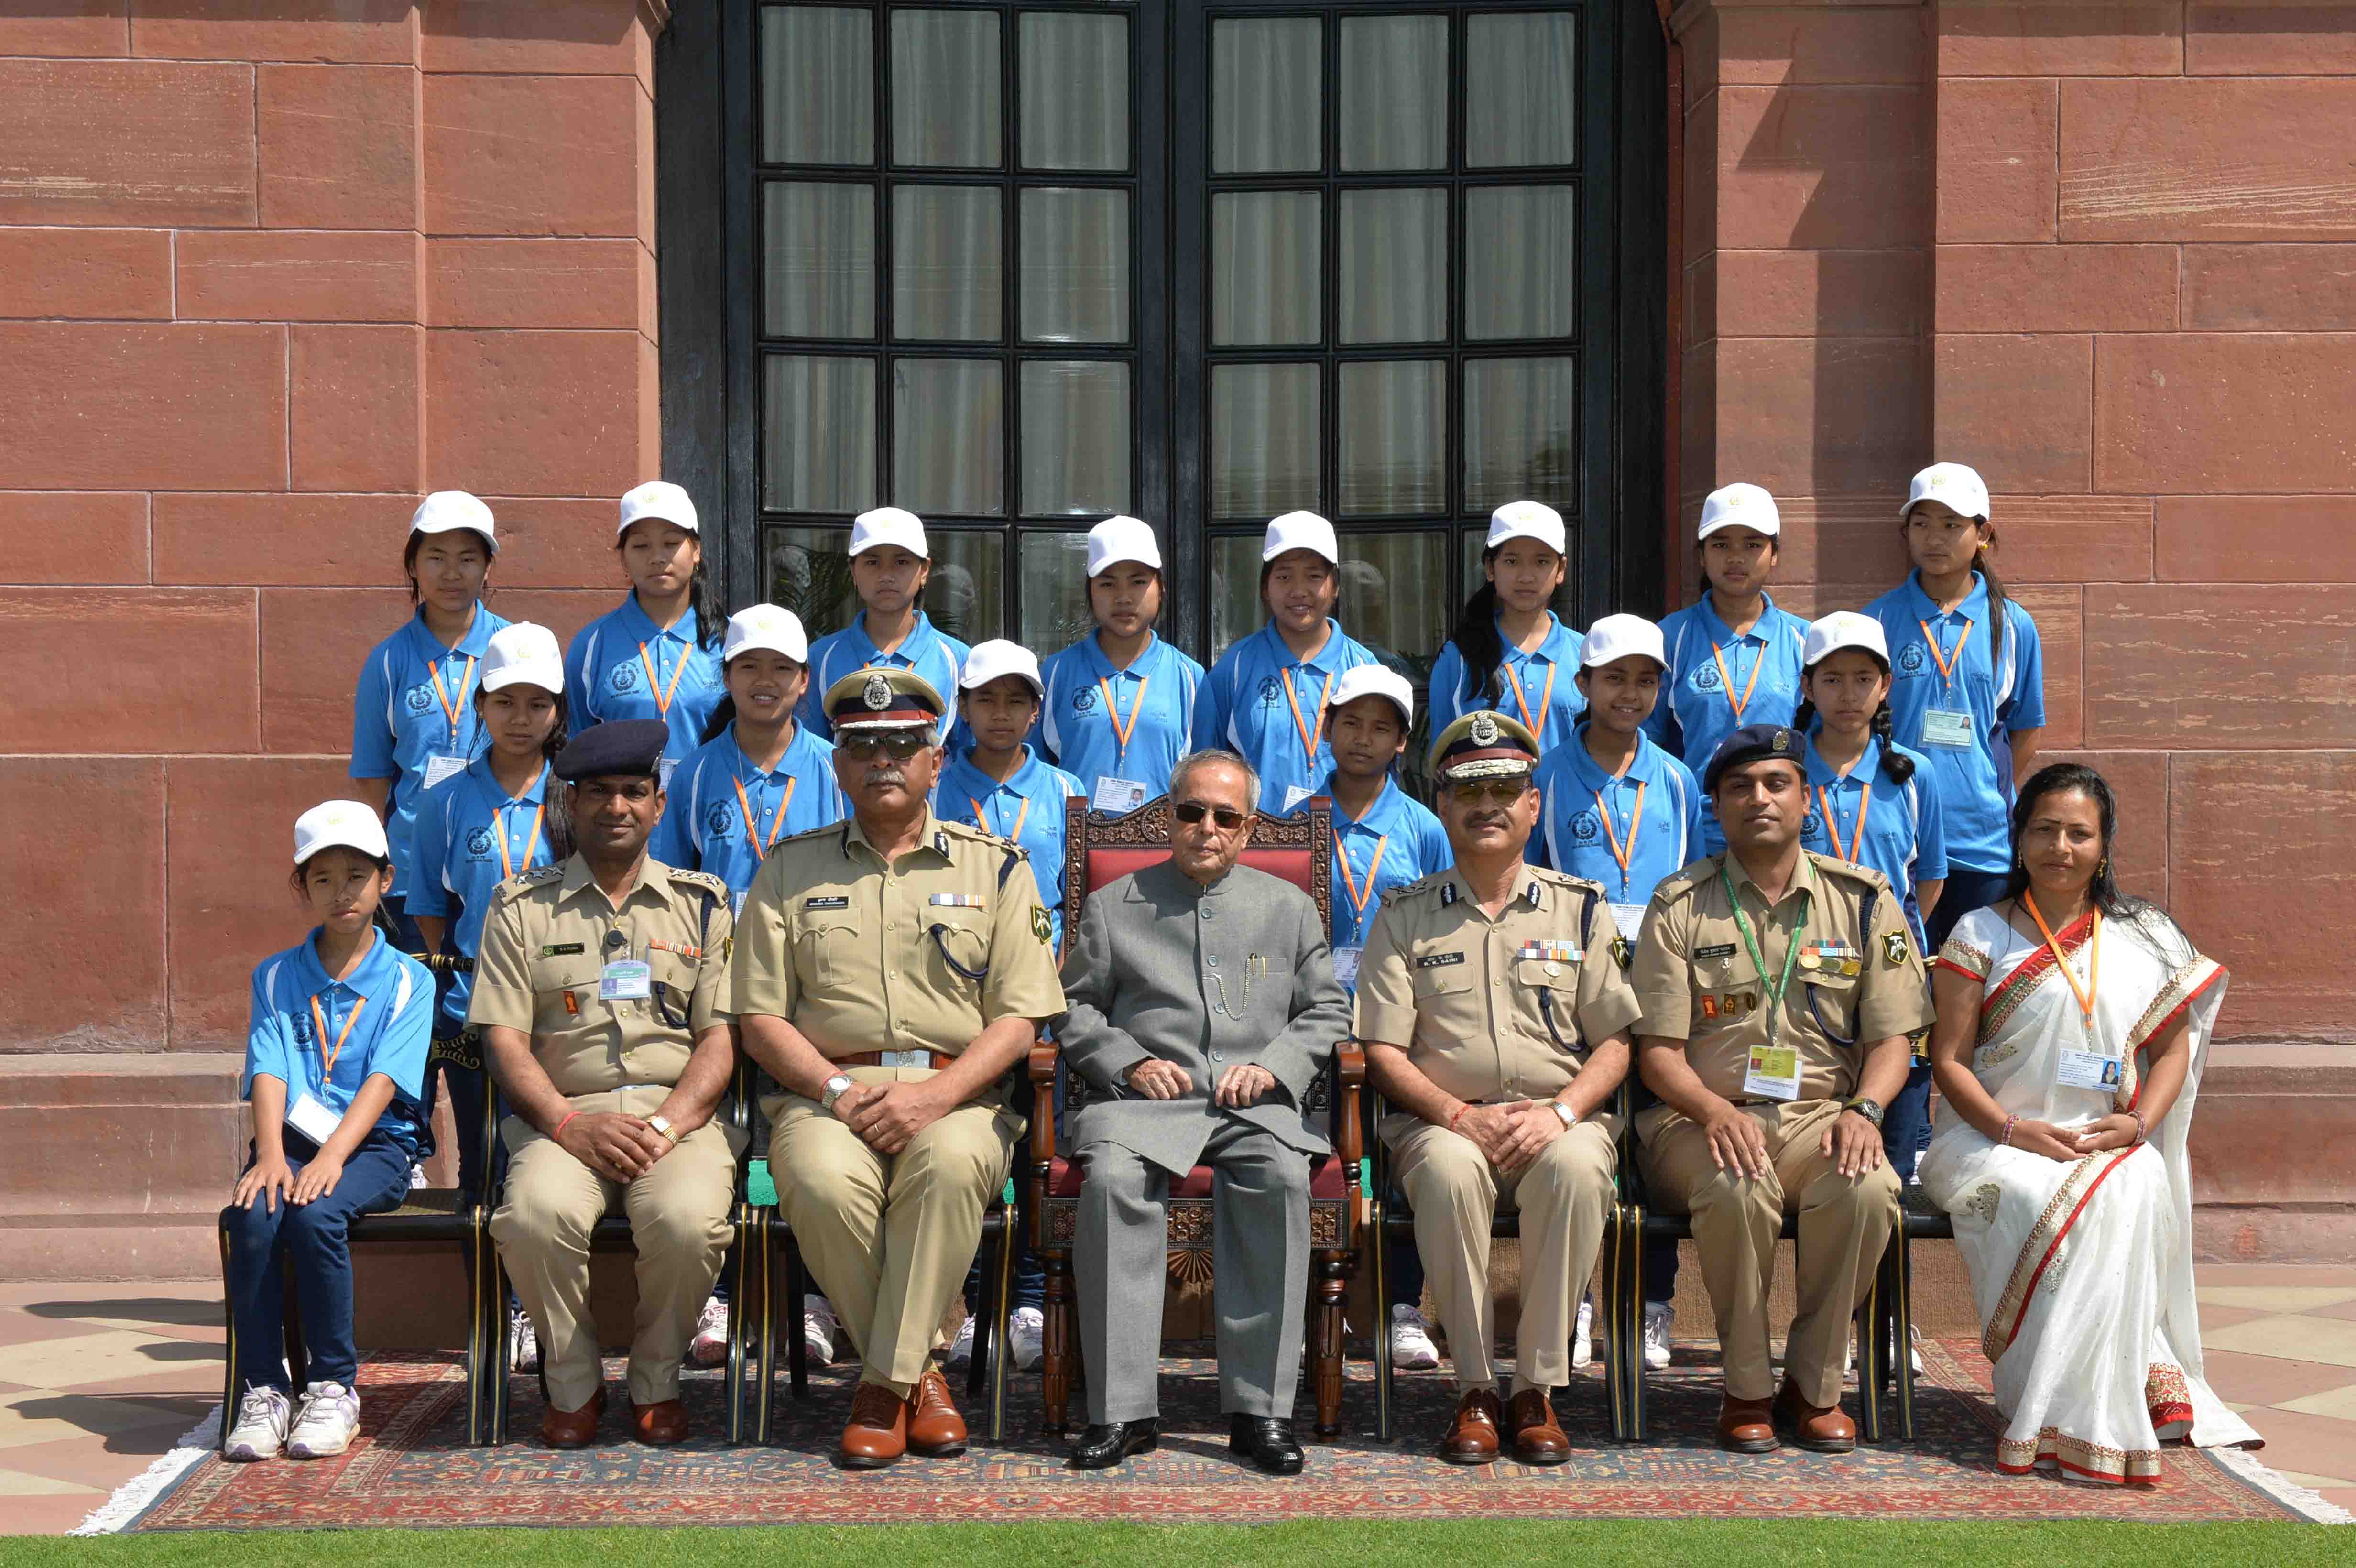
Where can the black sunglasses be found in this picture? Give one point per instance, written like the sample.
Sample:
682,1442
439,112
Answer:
901,744
1489,792
1194,811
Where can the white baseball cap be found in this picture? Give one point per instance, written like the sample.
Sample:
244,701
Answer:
1528,520
1122,539
996,657
521,652
659,499
1299,530
447,509
1619,637
339,822
1740,506
1844,629
1954,486
765,626
1374,680
888,525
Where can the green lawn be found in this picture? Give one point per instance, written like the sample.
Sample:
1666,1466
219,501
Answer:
1306,1544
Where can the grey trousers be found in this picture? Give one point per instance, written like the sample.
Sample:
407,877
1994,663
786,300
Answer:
1259,1261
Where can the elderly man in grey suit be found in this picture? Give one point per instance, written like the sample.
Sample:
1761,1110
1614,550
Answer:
1203,1008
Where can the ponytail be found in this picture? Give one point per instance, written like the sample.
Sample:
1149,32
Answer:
717,725
1899,767
1996,616
1803,717
1476,639
710,616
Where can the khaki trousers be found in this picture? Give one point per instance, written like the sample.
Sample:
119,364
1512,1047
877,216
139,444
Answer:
889,1237
679,1220
1563,1196
1845,1223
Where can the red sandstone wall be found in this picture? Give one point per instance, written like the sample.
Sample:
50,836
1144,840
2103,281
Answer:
270,269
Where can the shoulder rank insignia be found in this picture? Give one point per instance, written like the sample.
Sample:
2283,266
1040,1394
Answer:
705,880
1894,950
1040,927
535,877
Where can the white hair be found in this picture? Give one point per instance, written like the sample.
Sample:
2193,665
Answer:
1205,758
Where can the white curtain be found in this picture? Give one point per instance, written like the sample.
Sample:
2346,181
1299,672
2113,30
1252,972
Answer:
1394,428
945,99
1075,437
948,278
819,433
1074,266
818,253
948,437
1075,76
1394,94
1267,94
1264,439
818,76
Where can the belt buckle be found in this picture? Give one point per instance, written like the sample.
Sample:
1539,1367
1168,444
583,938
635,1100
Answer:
898,1058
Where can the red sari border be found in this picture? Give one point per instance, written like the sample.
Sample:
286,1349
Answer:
2003,998
2017,1302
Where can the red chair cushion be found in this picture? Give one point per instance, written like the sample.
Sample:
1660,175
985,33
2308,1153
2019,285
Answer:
1327,1179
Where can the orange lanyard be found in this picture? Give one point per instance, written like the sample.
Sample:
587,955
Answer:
654,688
2085,993
1020,818
506,868
1637,820
1832,823
1948,662
776,827
1719,655
451,707
320,1018
1546,703
1357,899
1309,737
1121,733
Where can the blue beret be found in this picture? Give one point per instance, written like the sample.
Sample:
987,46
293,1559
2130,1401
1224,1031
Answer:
624,748
1754,743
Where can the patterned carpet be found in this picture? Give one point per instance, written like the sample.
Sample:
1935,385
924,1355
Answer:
409,1468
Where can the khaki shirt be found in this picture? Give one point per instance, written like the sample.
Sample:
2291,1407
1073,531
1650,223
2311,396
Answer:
545,944
1502,1009
922,953
1850,987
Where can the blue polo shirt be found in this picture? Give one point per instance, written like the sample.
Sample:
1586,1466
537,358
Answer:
471,836
1396,842
2003,693
1244,707
1088,703
1539,688
606,675
403,725
1904,838
1695,712
1026,810
394,997
936,658
702,826
1570,835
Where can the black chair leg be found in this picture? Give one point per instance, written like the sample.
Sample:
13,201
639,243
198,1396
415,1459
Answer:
1382,1335
977,1368
797,1342
229,1391
298,1362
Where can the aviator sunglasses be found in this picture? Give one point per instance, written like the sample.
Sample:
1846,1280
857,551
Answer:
901,744
1193,811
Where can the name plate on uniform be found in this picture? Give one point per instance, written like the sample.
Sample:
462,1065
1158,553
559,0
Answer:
1345,966
312,1118
2088,1070
1773,1074
626,980
1117,795
1947,727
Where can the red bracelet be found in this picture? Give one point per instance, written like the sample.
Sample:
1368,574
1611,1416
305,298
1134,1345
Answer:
1459,1115
559,1127
2009,1123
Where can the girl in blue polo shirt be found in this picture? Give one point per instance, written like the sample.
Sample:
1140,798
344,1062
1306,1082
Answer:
413,708
335,1064
656,656
890,564
1509,652
1118,702
1734,657
1967,683
1265,699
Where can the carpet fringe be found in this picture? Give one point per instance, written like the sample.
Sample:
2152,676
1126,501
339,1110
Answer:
2301,1500
132,1497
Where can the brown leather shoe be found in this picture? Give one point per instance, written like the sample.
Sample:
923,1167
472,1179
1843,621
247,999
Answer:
1823,1429
1473,1436
1538,1438
936,1430
573,1428
660,1424
1746,1426
878,1432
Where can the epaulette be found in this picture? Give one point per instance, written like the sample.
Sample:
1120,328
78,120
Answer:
703,880
534,878
1564,879
1420,885
1683,881
807,833
1849,870
967,830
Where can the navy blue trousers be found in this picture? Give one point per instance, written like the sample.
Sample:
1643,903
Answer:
311,1242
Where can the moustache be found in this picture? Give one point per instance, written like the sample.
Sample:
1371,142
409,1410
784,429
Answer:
886,776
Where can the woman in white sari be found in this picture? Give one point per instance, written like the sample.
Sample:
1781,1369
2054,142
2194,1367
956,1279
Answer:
2073,1024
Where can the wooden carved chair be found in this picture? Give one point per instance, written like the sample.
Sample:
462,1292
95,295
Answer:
1099,848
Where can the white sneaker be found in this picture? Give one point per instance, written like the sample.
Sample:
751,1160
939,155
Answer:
1026,1336
1582,1335
523,1345
1659,1319
818,1328
330,1418
261,1429
710,1346
1412,1347
961,1348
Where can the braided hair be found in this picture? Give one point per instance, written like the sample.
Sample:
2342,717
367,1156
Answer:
1477,640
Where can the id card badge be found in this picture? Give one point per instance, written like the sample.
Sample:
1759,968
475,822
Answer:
1774,1073
1628,919
663,767
2088,1070
310,1116
1293,796
1947,727
736,904
626,980
440,768
1346,966
1116,795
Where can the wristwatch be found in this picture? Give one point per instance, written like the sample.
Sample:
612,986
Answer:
661,1124
1869,1109
833,1090
1569,1117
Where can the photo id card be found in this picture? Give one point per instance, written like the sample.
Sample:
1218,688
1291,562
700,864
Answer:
1345,966
2088,1070
1774,1073
1117,794
310,1116
1947,727
626,980
440,768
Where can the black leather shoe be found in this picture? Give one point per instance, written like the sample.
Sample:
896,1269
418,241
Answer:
1266,1442
1104,1445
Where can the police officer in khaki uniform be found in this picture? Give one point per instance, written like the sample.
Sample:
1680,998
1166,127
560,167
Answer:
891,969
1778,990
1495,1015
601,990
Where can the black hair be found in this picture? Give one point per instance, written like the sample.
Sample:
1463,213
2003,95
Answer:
1996,616
710,616
382,918
417,542
1899,767
556,735
1477,641
2073,778
1332,573
555,826
725,714
1774,553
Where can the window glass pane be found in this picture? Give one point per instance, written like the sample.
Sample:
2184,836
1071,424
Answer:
1521,261
1393,272
1075,91
1235,609
1394,94
1268,95
819,445
1393,435
1395,600
1075,437
1525,112
948,437
1264,439
817,260
818,85
1052,603
948,277
1265,251
966,596
1074,266
809,573
945,110
1518,431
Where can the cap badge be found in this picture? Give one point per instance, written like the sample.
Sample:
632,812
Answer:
1782,742
878,692
1484,729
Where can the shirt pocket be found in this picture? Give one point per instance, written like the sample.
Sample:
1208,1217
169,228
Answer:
554,980
1546,995
955,947
1727,995
1436,972
1830,1002
674,976
823,946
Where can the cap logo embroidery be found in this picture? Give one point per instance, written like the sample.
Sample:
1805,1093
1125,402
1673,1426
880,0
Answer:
1484,729
877,694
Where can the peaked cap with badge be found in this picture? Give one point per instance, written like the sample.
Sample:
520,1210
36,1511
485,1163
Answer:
1483,745
881,697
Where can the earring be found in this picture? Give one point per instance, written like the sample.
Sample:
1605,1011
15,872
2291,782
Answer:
2104,869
